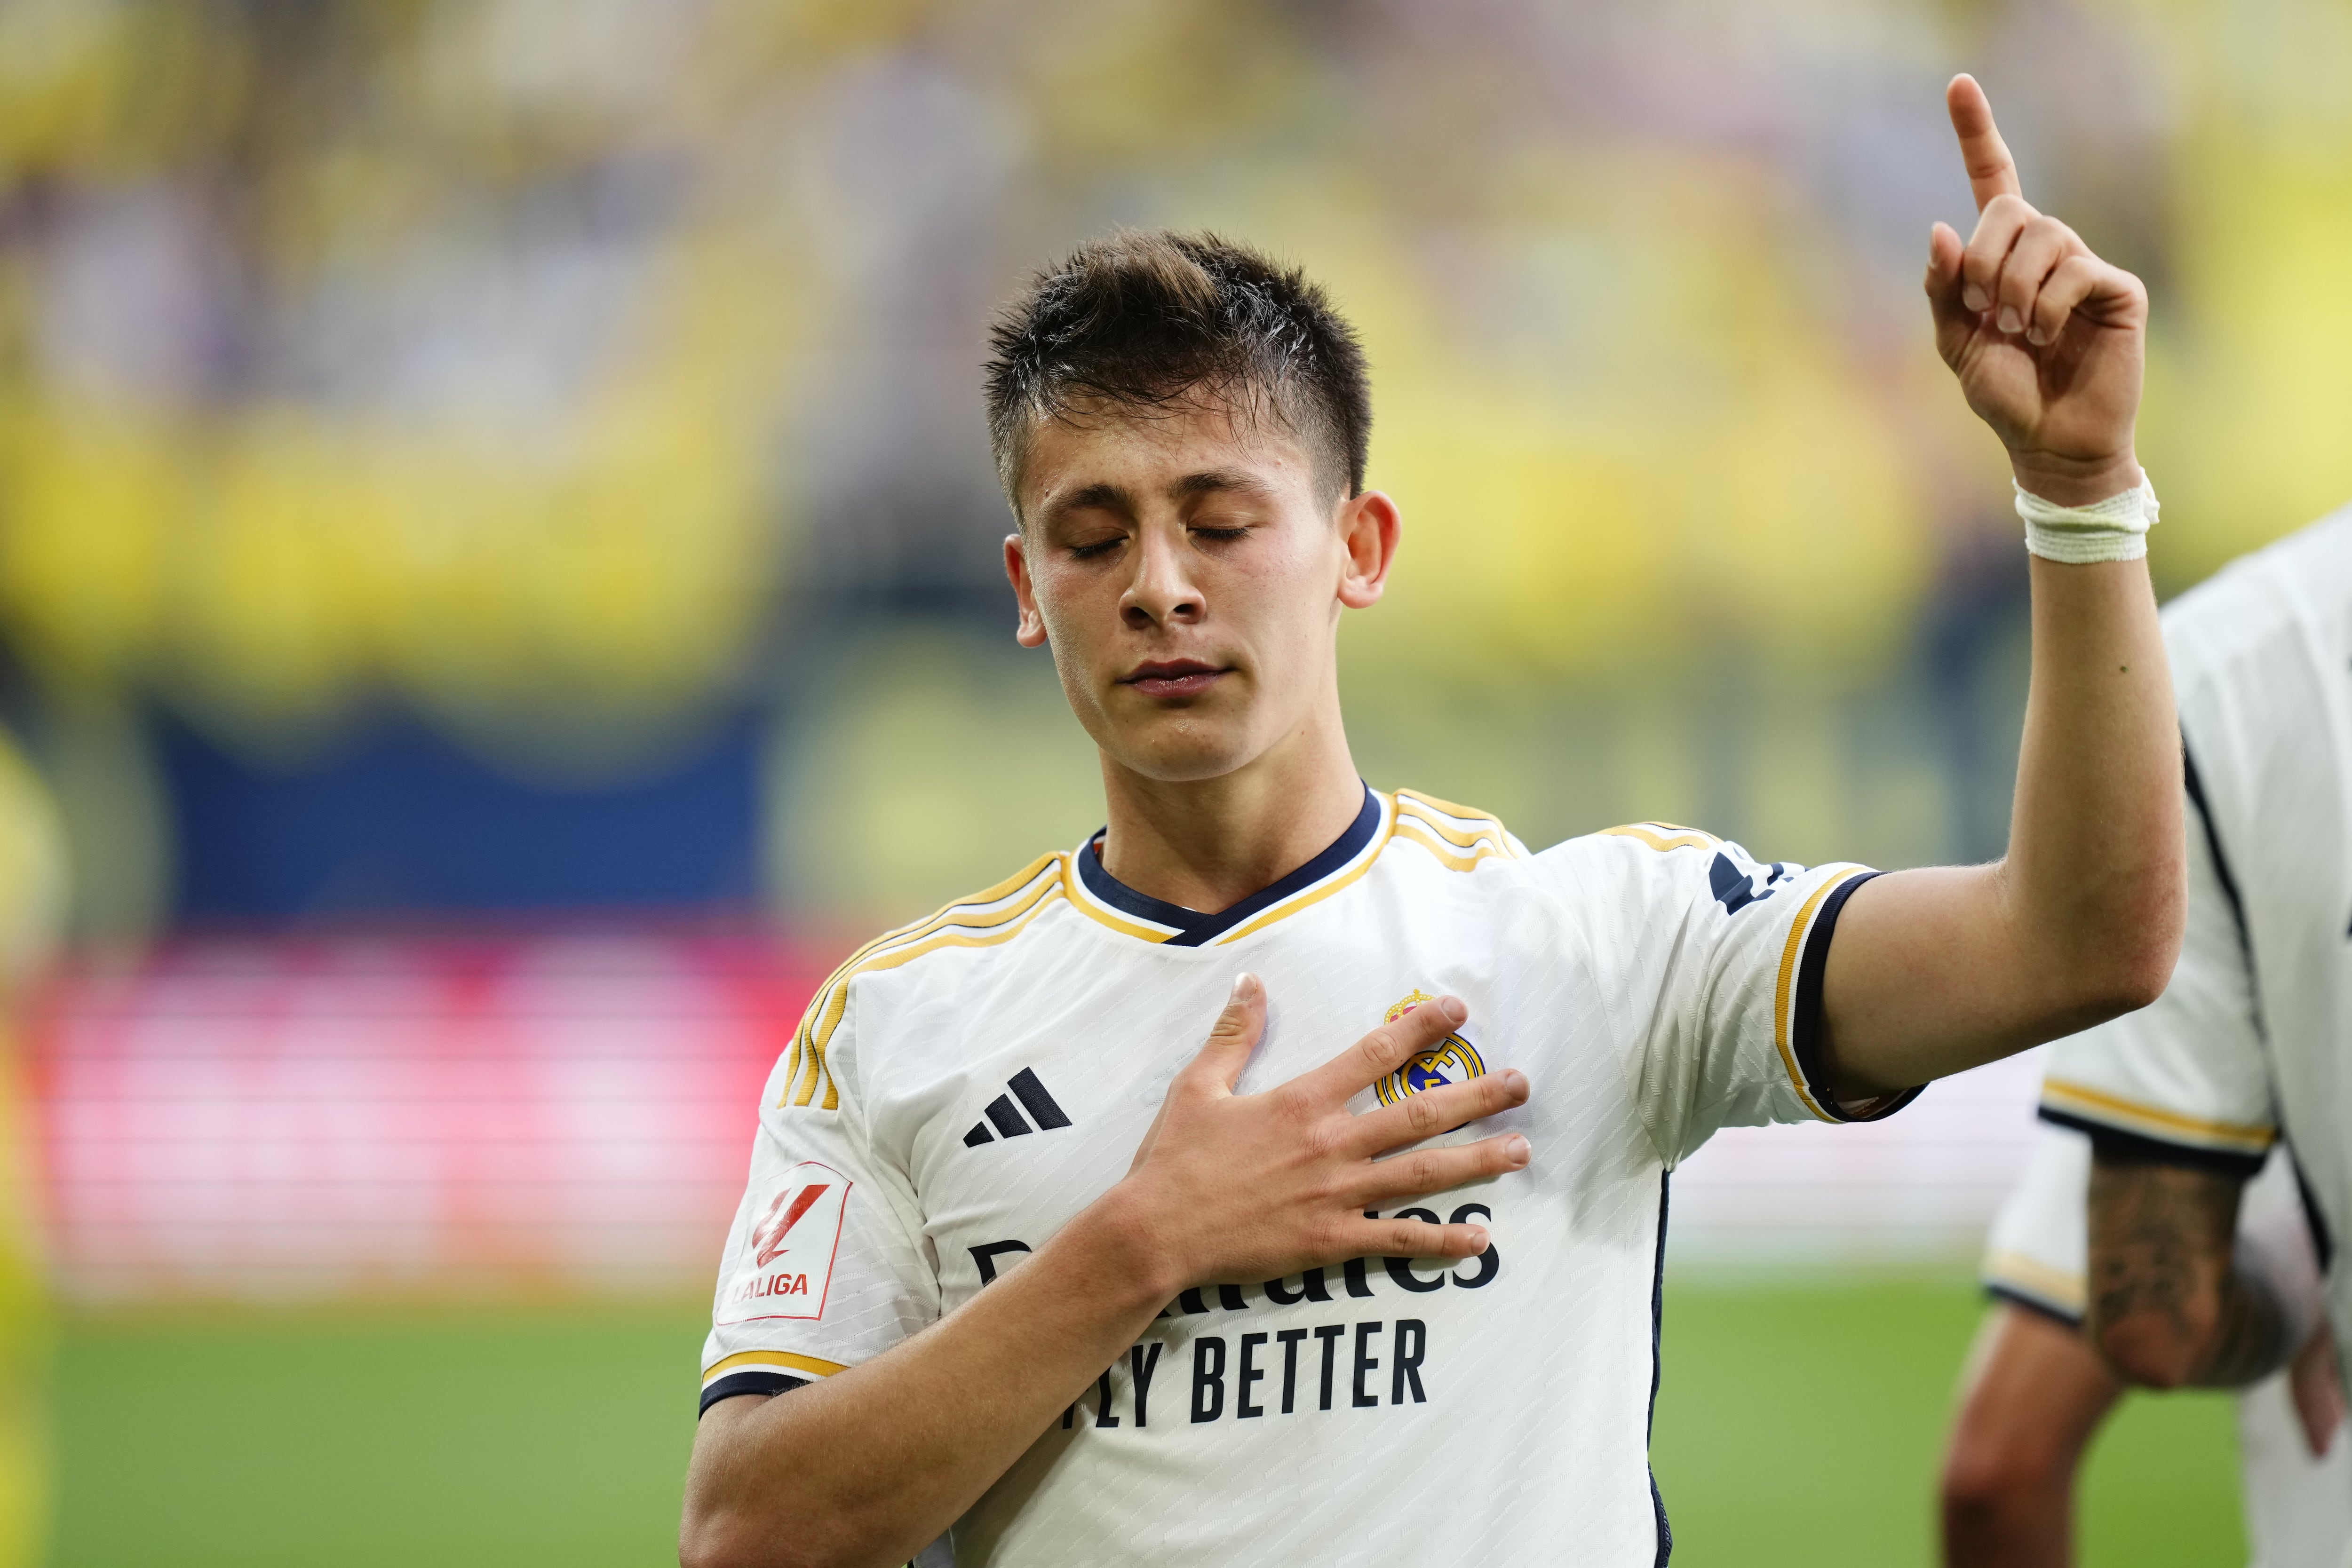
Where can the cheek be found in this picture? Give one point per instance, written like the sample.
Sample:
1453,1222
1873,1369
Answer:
1289,598
1076,611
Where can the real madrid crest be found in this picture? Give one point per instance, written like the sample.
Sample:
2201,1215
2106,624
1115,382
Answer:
1450,1060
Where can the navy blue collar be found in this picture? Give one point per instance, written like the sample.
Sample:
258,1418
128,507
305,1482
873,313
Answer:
1190,927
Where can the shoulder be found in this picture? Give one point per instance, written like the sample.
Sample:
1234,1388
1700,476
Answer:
1643,873
913,959
1458,838
1637,852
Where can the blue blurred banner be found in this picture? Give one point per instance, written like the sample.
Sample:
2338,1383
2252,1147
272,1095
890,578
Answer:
406,821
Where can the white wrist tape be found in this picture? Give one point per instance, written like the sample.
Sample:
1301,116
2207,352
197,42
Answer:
2113,530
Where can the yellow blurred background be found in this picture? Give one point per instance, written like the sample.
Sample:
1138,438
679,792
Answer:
563,373
546,427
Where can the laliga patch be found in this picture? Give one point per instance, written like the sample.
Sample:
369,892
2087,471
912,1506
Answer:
787,1261
1450,1060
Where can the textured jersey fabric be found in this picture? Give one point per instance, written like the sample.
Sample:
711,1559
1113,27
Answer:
964,1086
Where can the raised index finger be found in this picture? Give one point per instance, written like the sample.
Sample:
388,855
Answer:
1991,171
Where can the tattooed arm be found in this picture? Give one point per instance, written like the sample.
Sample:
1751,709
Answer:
2174,1299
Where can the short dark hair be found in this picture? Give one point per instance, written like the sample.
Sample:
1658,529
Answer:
1142,321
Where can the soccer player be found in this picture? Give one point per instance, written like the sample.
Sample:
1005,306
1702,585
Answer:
2183,1102
2036,1390
1023,1261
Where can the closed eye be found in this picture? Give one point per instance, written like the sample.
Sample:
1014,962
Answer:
1099,548
1221,534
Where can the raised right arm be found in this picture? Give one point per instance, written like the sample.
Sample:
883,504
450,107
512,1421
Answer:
864,1468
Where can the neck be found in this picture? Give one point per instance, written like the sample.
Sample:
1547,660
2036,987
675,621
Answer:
1208,844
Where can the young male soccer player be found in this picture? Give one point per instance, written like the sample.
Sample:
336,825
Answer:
1022,1260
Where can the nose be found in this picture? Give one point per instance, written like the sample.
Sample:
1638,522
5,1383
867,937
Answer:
1162,591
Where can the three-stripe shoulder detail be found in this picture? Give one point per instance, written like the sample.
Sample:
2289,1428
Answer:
1664,836
1457,836
986,918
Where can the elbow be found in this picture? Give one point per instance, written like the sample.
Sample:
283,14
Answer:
2128,959
707,1540
2140,976
719,1538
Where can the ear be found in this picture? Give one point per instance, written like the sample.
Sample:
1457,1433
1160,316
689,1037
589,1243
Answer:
1369,526
1029,630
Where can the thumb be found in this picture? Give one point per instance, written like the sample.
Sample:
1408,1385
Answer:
1954,319
1238,1029
1945,253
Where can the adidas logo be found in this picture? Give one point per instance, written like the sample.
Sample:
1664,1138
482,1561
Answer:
1006,1115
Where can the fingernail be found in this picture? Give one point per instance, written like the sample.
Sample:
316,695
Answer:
1515,1148
1243,984
2036,336
1453,1008
1515,1081
1478,1238
2010,320
1974,298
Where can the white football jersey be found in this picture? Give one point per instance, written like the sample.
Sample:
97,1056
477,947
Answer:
2298,1509
2252,1037
962,1087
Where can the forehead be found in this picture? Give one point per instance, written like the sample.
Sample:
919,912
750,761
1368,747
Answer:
1153,450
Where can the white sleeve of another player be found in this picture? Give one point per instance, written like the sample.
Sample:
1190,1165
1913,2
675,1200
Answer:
826,1264
1713,971
2185,1078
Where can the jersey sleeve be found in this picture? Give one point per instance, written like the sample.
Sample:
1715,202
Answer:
2185,1079
1713,964
826,1264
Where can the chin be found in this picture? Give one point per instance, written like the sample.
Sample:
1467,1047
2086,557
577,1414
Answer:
1183,753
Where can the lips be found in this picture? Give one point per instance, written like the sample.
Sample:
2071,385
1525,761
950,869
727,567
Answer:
1173,678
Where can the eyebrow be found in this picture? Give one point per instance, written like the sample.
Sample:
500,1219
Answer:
1216,480
1111,497
1102,495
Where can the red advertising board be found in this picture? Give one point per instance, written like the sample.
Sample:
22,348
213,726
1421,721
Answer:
289,1119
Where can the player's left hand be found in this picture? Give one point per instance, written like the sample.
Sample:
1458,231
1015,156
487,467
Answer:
2047,339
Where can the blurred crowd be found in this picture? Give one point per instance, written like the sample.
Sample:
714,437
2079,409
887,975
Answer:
570,376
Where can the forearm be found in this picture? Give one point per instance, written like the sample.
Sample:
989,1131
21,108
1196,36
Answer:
1936,971
868,1466
2093,889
